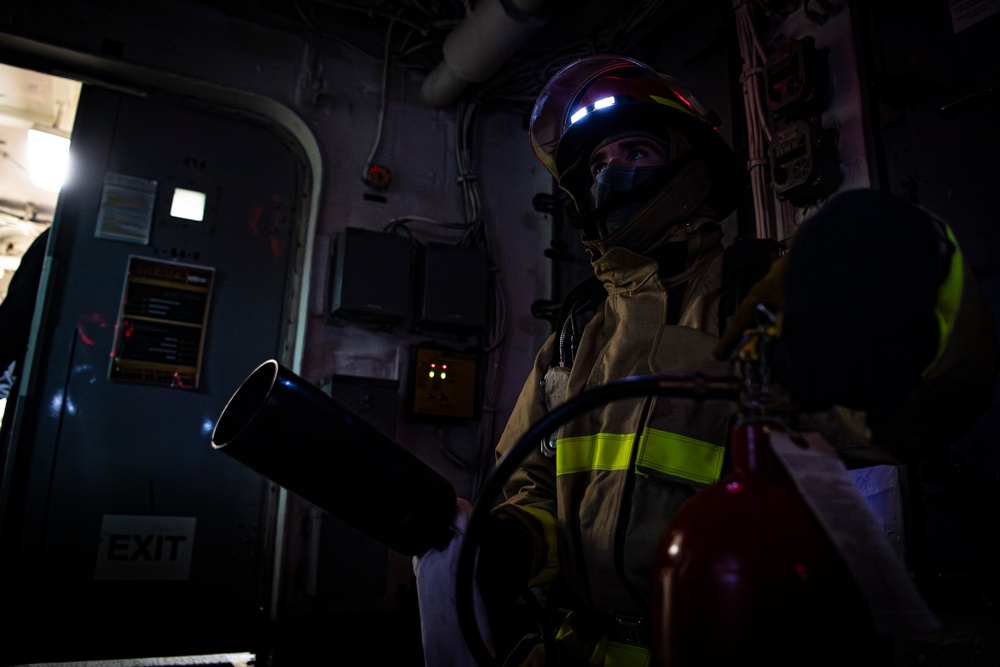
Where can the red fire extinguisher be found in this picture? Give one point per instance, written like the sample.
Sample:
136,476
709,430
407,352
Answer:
744,574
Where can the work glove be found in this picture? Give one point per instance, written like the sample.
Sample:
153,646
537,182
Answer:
768,292
443,642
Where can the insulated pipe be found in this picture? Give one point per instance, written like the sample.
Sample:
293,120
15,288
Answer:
291,432
479,46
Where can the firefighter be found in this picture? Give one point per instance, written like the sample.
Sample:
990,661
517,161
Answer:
650,180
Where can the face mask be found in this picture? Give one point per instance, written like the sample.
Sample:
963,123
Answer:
611,192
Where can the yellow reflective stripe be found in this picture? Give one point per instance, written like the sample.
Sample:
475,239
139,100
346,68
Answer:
667,102
548,521
627,655
949,295
588,650
603,451
662,451
680,456
597,650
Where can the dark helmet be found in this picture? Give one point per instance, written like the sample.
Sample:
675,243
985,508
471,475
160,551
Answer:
599,96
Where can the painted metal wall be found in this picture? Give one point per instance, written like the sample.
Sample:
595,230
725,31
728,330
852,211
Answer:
328,98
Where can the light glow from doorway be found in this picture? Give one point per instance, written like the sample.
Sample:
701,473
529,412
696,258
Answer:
48,158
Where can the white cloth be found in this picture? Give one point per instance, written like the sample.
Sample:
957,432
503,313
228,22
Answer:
443,642
7,379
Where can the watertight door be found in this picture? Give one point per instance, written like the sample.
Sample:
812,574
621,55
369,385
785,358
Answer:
124,533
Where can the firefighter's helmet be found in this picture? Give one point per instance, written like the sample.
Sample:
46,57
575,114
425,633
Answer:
599,96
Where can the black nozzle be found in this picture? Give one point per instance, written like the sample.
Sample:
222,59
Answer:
296,435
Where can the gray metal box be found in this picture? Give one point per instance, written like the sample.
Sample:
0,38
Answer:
453,289
371,277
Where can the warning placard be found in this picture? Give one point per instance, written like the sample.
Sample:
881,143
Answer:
160,333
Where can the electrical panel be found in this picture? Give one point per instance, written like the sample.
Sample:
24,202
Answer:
804,160
452,289
443,383
805,164
796,78
371,277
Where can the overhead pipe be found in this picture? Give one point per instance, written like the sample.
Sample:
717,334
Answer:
478,47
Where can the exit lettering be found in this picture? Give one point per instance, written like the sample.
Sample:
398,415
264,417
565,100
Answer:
144,547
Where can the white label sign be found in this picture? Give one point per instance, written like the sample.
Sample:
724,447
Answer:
145,547
126,211
965,13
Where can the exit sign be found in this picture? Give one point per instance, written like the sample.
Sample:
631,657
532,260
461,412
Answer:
145,547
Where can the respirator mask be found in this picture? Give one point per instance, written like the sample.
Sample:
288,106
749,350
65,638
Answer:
618,193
